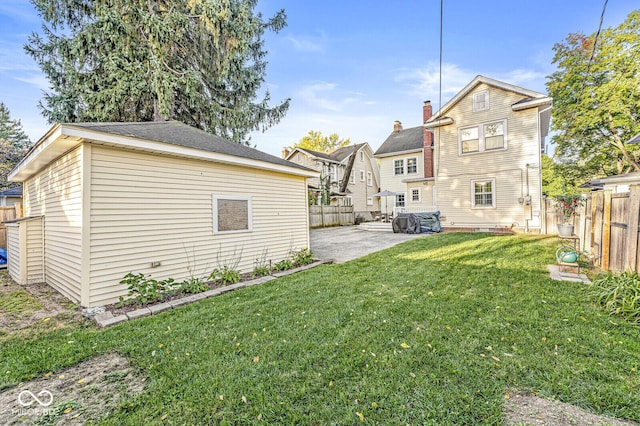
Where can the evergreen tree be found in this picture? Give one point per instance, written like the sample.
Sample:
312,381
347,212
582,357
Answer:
14,143
201,62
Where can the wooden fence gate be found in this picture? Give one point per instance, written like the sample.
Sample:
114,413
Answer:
324,216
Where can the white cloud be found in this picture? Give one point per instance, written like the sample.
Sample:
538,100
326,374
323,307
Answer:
308,44
427,80
37,80
327,96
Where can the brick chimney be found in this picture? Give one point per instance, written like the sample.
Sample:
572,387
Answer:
427,141
285,152
397,126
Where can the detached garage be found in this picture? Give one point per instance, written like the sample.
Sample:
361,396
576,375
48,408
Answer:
162,198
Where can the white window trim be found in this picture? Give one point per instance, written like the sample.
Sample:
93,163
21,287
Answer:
486,97
369,179
362,176
361,155
395,201
407,165
352,178
493,194
247,198
411,195
369,201
481,142
404,167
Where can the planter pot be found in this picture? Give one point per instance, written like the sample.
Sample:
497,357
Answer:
565,230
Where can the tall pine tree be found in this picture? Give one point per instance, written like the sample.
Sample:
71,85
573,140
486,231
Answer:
201,62
14,143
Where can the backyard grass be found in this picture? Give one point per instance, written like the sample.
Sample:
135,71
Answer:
437,330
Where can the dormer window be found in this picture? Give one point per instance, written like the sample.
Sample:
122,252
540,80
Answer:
481,101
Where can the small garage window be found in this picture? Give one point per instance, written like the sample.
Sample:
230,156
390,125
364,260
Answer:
231,213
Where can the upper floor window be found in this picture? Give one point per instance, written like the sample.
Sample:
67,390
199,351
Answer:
369,201
361,155
361,175
398,167
369,179
334,173
481,101
352,178
484,137
412,165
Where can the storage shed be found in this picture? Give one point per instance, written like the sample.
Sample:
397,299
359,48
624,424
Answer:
160,198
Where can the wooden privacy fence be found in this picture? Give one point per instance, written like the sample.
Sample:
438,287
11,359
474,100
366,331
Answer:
323,216
552,217
6,214
609,229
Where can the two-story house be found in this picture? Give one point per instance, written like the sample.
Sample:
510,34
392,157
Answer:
480,157
348,176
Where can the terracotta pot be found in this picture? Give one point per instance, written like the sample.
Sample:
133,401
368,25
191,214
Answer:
565,230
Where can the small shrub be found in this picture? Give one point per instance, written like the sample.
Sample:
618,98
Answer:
260,271
283,265
226,275
619,294
302,257
143,289
193,285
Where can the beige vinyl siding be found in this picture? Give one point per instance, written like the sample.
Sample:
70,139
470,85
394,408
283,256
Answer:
508,166
149,208
13,252
391,182
56,193
34,250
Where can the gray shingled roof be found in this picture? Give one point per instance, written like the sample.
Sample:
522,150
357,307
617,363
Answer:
341,153
410,139
12,192
635,139
177,133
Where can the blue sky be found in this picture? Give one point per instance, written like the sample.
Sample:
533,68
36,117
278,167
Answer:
354,66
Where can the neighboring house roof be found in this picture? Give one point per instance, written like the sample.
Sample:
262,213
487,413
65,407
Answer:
12,192
337,156
405,140
530,98
627,178
166,137
635,139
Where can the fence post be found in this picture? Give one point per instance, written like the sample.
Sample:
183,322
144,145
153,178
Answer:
632,230
606,230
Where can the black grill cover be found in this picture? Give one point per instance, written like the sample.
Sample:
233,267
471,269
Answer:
406,223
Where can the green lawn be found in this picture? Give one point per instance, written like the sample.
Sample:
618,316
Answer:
433,331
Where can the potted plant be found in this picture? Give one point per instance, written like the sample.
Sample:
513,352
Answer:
567,206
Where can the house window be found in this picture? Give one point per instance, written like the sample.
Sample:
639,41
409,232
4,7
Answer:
369,179
415,195
334,173
352,178
412,165
483,194
348,201
484,137
361,175
398,167
231,213
299,157
369,201
481,101
400,200
361,155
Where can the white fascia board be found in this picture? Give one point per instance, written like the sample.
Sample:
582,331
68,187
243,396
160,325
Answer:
181,151
445,121
393,154
532,104
44,144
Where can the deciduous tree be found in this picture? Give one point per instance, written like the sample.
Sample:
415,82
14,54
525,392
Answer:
316,141
596,92
201,62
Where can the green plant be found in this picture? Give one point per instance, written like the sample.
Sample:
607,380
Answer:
226,275
619,294
193,285
302,257
262,265
283,265
143,289
567,206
